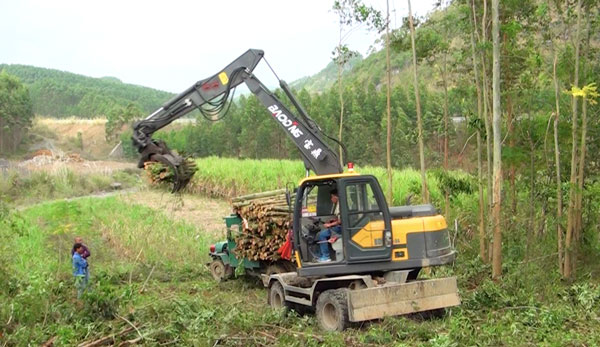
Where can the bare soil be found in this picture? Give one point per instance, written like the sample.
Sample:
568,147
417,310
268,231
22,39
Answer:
204,212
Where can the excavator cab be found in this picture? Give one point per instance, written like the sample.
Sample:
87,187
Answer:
374,238
365,234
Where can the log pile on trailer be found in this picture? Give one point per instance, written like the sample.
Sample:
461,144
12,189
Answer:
267,220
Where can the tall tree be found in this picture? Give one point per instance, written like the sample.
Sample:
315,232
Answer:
482,233
118,117
486,107
496,202
569,259
351,13
388,74
424,189
559,201
16,112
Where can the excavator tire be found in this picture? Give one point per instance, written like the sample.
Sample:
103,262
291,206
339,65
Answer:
219,271
277,296
332,310
276,299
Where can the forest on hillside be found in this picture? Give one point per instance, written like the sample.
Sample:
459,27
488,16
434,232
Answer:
63,94
511,100
507,93
486,109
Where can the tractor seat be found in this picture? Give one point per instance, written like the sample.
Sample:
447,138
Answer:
400,212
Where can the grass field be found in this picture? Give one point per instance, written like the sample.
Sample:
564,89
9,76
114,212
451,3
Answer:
149,250
148,270
227,177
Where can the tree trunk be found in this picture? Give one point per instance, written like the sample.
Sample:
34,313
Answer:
559,203
341,114
2,136
424,189
482,236
579,200
445,82
580,178
488,131
388,107
569,261
511,144
531,228
497,202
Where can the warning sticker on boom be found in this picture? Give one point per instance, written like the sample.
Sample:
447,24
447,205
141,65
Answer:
223,78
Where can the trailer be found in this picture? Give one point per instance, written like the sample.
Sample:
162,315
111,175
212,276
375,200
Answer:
224,260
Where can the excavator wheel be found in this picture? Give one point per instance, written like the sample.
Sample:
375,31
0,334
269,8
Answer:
277,296
219,271
332,310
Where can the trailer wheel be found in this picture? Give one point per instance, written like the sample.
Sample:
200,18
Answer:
276,296
219,271
332,310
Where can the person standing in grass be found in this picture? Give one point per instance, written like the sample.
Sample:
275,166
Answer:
86,251
85,255
80,269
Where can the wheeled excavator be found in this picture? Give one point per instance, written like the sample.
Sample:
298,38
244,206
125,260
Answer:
374,264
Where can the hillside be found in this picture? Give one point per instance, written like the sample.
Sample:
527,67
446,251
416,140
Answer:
61,94
56,93
363,71
325,78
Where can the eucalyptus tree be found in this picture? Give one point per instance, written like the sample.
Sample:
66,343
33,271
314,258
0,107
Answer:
16,112
496,127
424,189
351,15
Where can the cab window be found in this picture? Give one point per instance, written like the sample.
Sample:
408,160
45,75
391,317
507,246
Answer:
362,205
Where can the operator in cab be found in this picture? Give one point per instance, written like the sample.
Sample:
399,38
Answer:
332,231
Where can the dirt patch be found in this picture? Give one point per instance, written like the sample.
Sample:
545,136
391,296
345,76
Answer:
65,134
75,164
203,212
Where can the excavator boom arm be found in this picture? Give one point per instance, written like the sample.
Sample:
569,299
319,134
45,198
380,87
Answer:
305,134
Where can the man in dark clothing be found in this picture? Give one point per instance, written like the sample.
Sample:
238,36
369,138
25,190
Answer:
86,251
331,231
80,269
84,254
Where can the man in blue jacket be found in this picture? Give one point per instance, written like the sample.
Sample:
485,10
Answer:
80,269
332,229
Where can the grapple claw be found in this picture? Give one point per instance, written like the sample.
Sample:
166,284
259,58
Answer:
183,168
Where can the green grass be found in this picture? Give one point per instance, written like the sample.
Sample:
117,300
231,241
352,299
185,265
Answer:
173,299
226,177
23,188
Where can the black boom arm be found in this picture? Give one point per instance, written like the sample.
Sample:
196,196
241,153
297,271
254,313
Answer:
213,91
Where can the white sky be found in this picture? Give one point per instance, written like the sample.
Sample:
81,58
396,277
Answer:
169,45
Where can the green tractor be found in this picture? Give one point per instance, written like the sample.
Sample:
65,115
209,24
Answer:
224,260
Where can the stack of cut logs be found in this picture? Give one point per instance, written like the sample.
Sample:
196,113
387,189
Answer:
157,172
267,219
